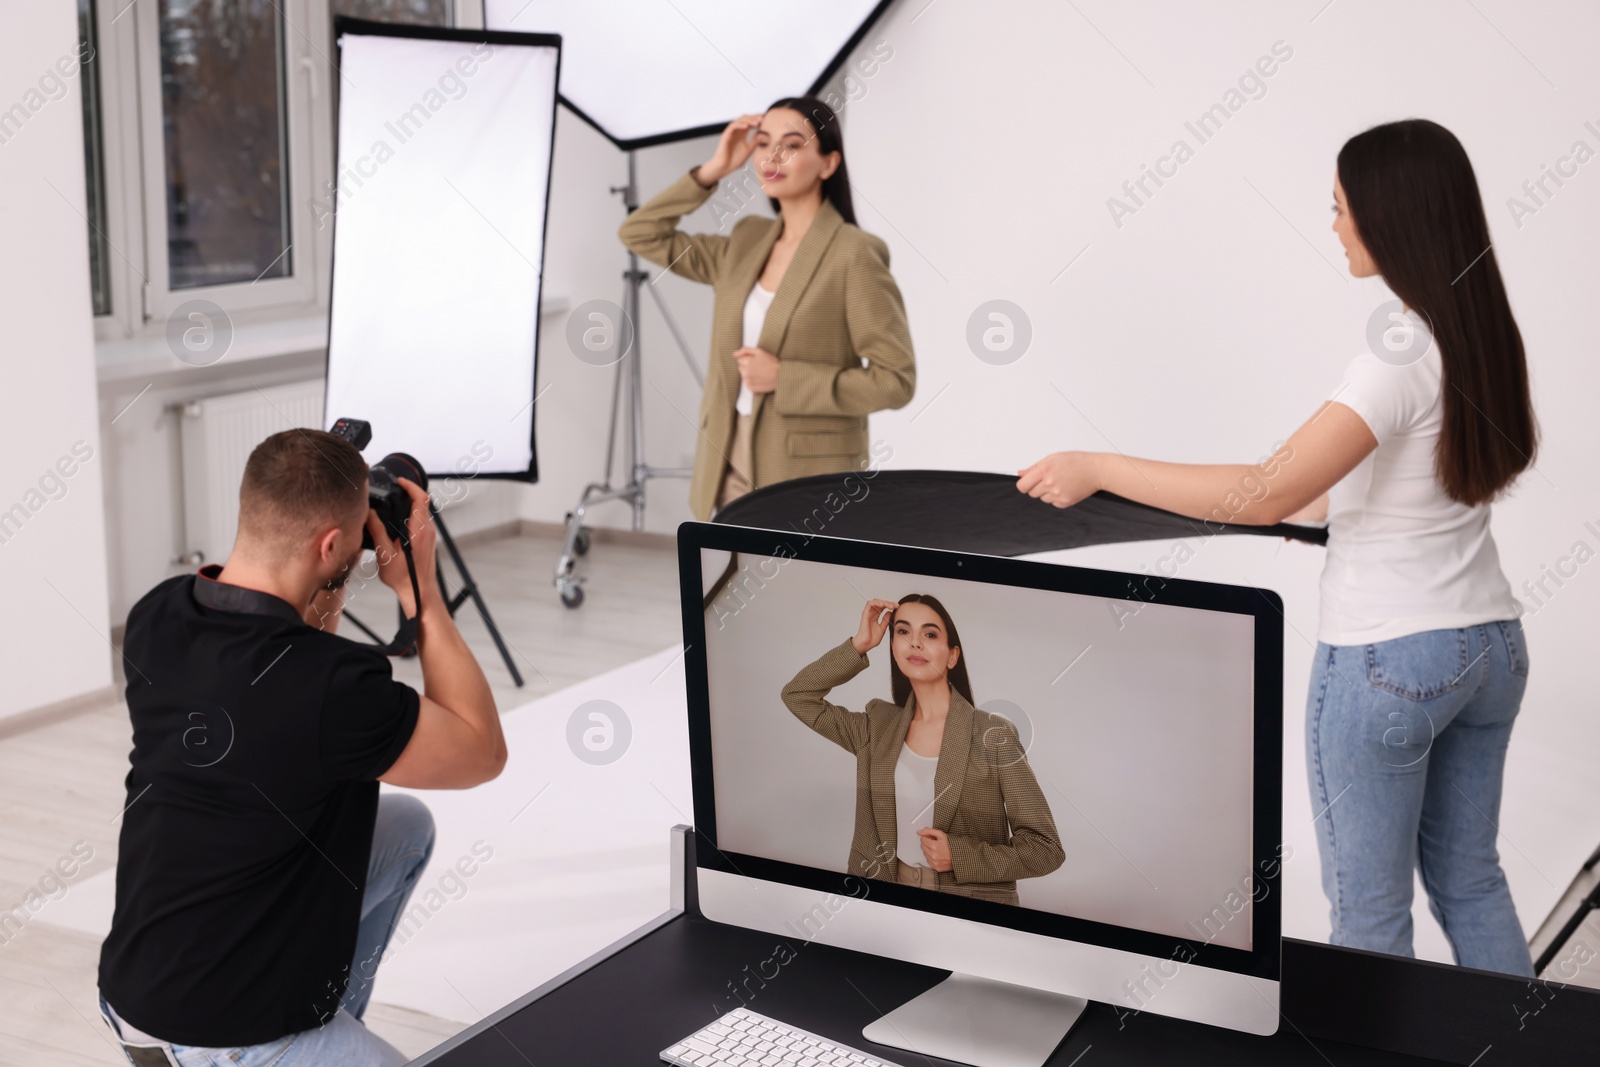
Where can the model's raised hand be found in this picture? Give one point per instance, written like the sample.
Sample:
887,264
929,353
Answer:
876,618
733,148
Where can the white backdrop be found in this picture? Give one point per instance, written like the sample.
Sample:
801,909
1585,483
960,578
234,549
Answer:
1213,320
1140,724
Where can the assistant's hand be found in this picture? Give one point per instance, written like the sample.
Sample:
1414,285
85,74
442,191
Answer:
935,848
1062,478
875,622
392,570
733,148
758,369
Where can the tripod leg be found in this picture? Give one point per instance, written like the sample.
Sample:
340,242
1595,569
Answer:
477,599
636,407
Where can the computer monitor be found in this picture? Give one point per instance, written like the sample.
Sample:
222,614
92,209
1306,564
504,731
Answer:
1102,819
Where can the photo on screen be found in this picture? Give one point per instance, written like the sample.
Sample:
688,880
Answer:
1096,761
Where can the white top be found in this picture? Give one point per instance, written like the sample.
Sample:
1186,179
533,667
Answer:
755,315
913,803
1402,556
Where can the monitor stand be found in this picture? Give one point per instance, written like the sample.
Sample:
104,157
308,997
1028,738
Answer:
980,1021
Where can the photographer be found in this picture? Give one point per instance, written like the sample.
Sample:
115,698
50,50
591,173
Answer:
260,872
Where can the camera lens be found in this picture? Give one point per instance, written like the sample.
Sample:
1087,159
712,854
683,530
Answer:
400,465
387,497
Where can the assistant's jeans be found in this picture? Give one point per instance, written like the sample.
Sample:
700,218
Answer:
402,841
1406,750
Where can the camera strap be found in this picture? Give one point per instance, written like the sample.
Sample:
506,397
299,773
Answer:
405,639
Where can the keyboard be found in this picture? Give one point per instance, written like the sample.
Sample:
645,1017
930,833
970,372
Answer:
742,1038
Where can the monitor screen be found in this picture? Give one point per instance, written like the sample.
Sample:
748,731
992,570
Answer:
1094,770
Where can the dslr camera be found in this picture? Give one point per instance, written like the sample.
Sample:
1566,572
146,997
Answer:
385,494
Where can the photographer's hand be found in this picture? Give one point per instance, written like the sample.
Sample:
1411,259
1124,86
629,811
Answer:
457,741
392,570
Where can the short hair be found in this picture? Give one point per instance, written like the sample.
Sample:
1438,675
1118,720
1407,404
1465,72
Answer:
296,482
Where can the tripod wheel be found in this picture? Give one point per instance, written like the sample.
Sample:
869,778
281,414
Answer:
572,595
580,544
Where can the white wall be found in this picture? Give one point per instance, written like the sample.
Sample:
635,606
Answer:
54,633
143,493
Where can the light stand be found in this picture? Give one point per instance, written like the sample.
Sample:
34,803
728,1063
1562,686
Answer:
630,371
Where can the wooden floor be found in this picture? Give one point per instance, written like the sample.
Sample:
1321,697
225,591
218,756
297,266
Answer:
61,792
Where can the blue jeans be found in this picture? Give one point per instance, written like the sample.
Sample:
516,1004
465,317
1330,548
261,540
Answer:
402,841
1406,750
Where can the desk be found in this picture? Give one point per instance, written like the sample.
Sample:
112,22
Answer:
679,971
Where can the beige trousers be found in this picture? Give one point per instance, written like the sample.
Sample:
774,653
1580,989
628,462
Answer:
736,477
923,877
928,878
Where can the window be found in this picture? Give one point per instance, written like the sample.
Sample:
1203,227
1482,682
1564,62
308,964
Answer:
209,141
225,134
415,12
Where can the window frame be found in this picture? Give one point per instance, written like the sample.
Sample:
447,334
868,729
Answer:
298,287
134,170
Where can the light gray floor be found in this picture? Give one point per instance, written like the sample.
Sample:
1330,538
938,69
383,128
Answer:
61,783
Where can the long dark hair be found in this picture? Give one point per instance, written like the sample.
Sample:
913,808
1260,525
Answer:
830,138
900,685
1415,202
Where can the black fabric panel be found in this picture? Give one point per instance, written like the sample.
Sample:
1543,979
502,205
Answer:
967,511
1422,1008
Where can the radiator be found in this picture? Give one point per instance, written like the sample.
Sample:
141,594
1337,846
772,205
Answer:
218,434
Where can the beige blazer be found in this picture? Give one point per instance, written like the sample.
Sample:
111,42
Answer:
837,305
986,798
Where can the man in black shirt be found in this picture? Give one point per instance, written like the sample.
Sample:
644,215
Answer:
260,873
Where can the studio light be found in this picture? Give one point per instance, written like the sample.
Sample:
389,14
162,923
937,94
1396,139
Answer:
438,215
643,72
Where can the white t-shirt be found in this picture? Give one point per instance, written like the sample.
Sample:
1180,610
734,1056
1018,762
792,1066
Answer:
755,315
1402,556
913,803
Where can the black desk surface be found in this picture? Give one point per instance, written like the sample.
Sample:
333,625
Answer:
1340,1007
628,1007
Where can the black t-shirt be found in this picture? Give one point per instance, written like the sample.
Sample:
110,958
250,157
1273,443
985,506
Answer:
257,744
